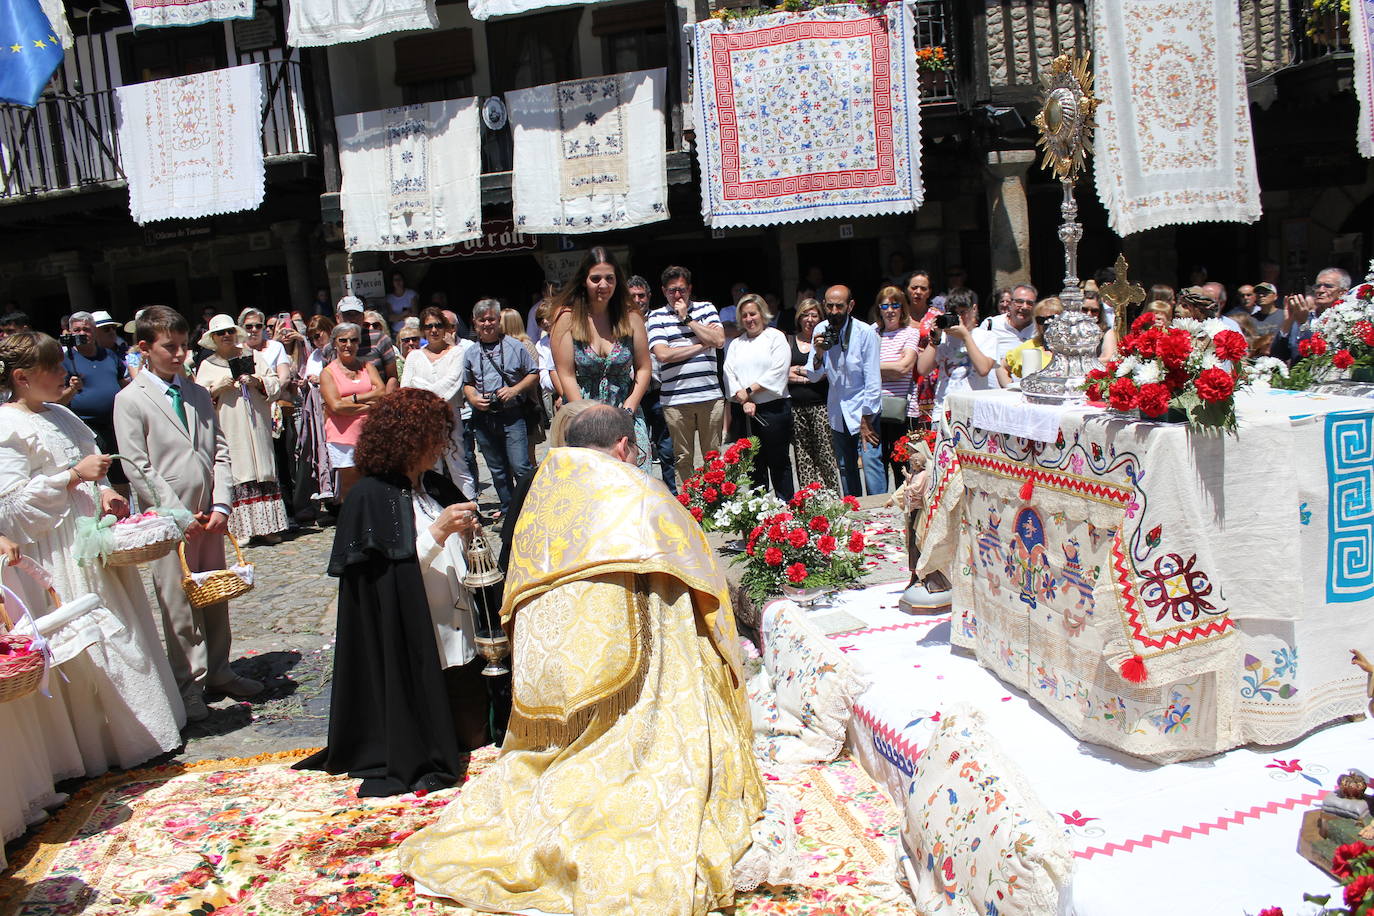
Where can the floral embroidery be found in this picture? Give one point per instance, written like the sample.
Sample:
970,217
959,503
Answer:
1265,682
1176,589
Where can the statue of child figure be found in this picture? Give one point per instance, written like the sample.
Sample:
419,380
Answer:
930,593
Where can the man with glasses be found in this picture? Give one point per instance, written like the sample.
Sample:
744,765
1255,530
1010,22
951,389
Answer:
1000,334
95,375
661,441
1268,316
684,337
1332,283
498,376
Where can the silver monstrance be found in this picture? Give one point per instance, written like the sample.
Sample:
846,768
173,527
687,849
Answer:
1073,337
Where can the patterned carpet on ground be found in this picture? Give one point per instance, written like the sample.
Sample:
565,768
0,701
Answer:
233,837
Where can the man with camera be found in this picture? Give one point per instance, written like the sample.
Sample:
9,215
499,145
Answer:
499,377
95,375
846,351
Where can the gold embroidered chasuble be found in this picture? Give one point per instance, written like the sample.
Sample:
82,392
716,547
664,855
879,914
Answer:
626,783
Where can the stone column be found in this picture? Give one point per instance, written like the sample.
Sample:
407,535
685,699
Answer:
291,234
77,273
1008,217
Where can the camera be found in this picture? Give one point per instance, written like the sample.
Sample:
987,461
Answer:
946,320
831,337
72,340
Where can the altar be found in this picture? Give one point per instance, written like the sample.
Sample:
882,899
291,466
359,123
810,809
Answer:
1168,593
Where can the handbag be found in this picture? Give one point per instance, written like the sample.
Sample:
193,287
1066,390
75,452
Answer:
894,408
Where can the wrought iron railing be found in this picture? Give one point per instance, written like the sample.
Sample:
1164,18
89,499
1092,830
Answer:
69,142
935,47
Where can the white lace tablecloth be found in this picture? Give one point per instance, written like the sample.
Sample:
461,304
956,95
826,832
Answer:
1163,592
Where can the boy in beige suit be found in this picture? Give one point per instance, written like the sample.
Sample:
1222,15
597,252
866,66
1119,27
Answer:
166,428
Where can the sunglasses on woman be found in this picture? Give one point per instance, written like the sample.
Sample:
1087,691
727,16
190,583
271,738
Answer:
433,326
375,325
890,306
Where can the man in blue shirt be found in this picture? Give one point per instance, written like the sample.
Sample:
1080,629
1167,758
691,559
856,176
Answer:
848,357
95,377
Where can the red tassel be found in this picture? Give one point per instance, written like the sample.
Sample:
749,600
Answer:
1133,670
1027,489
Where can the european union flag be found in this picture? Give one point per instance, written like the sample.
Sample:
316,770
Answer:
29,51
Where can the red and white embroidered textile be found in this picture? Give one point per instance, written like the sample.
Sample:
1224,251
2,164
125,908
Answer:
1173,142
809,115
1361,40
192,145
155,13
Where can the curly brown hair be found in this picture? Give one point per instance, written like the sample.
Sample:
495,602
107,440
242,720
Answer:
406,423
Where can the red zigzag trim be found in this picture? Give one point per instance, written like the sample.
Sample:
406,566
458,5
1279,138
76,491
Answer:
1062,481
899,744
864,631
1133,613
1206,827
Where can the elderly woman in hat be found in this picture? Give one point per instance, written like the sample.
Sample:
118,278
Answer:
243,384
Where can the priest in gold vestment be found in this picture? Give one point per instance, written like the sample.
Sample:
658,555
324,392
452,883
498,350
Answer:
626,783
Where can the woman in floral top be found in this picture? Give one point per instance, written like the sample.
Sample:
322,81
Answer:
898,345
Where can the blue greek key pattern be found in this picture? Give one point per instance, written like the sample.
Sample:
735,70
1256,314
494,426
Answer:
1350,514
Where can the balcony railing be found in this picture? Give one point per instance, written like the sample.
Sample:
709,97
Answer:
933,37
69,142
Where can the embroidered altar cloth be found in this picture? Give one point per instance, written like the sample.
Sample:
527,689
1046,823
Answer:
1361,39
411,176
156,13
808,115
485,9
1231,575
589,154
1173,141
192,145
314,23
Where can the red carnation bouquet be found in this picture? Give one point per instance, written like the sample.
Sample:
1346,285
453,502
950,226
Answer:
718,482
814,543
1353,866
1193,366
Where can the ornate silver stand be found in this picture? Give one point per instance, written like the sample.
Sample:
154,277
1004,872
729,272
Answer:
1066,121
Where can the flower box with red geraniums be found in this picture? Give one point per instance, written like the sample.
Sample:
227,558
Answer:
1193,366
721,477
814,543
1353,866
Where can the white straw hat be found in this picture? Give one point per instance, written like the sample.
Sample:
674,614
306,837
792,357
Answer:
222,323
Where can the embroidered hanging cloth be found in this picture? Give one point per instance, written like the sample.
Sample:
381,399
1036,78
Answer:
411,176
590,154
192,145
809,115
57,18
1361,38
313,23
1173,140
485,9
155,13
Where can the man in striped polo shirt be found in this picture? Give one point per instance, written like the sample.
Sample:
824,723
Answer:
684,337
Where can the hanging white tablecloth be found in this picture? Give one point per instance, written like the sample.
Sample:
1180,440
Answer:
158,13
314,23
589,154
411,176
192,145
1173,143
811,115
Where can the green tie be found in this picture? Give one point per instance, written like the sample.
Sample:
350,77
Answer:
174,392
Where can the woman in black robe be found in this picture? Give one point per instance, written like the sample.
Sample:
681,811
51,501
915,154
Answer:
391,723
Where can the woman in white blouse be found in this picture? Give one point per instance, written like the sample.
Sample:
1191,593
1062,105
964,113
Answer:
438,367
756,367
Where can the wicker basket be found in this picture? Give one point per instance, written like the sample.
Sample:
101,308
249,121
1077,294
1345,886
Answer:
219,585
21,668
146,553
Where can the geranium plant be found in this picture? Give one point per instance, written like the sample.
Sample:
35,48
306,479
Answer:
932,59
813,543
1353,866
717,481
1192,366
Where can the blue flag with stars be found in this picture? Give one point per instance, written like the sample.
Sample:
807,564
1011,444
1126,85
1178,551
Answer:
29,51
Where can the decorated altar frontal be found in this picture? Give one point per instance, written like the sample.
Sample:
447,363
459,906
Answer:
1164,592
1005,811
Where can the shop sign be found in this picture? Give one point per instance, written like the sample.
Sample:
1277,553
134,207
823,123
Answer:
177,234
256,34
499,236
370,284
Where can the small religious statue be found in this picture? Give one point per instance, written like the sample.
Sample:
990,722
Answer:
1359,661
932,592
1349,799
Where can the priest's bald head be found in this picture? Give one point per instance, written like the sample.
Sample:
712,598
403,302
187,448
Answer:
604,428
